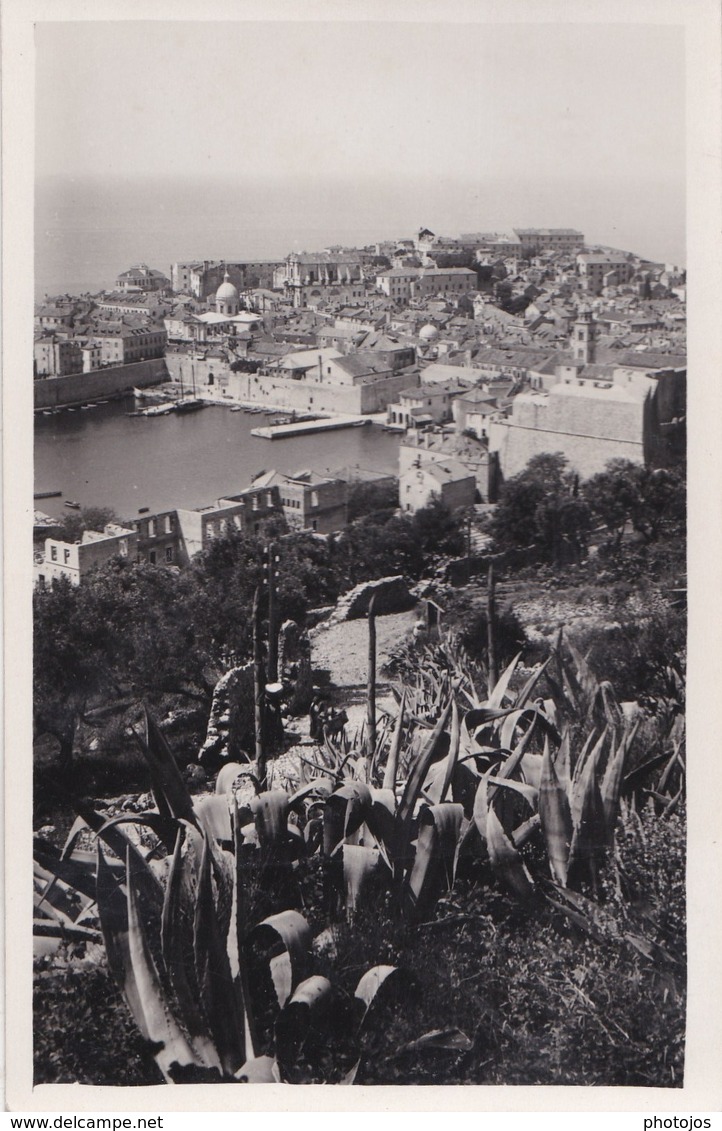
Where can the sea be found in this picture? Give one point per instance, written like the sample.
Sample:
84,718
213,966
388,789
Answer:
88,231
101,456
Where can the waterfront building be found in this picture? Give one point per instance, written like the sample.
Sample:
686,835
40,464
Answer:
174,537
536,240
308,278
74,560
310,501
57,357
428,404
121,344
142,278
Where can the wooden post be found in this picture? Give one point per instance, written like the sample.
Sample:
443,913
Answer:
272,663
259,691
491,627
371,696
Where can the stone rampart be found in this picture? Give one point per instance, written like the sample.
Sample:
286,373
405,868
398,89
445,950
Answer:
79,388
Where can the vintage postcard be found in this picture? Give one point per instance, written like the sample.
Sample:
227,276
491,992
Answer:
361,691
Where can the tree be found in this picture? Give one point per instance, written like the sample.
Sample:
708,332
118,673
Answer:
653,501
541,508
73,525
366,498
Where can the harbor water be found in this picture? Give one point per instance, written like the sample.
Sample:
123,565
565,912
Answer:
102,457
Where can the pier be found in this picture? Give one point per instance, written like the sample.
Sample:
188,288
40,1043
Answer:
305,427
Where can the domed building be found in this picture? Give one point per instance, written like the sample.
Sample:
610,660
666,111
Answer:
227,300
429,333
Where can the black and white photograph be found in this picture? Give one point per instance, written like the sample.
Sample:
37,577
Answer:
358,447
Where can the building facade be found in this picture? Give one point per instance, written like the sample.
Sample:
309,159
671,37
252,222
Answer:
310,501
74,560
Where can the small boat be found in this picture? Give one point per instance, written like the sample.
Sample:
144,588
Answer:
189,404
360,423
47,412
72,504
47,494
157,410
143,510
237,408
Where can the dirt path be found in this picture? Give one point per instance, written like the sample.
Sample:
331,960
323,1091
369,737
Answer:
341,650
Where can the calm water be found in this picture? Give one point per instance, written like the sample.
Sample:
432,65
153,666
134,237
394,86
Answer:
101,457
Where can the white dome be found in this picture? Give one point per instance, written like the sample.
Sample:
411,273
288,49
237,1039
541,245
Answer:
429,333
227,292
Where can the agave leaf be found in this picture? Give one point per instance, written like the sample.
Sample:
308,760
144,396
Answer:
359,865
237,930
289,931
451,1040
214,816
270,812
496,698
120,845
413,786
437,844
531,767
585,772
159,825
529,792
228,774
259,1070
213,973
562,762
57,929
315,788
159,1024
170,791
392,762
369,985
556,819
505,859
77,873
346,810
589,836
525,693
306,1007
79,827
177,950
113,913
611,786
445,771
481,804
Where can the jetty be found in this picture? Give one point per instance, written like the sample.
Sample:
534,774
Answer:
305,427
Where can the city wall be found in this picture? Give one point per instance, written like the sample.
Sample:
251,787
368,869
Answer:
79,388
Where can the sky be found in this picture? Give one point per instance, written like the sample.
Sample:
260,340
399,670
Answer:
365,125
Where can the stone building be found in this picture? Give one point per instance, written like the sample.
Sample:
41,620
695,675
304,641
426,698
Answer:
590,421
74,560
142,278
310,501
447,480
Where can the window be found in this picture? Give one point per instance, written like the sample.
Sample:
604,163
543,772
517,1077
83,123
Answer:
54,553
168,523
41,580
123,547
169,553
152,527
152,557
66,554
